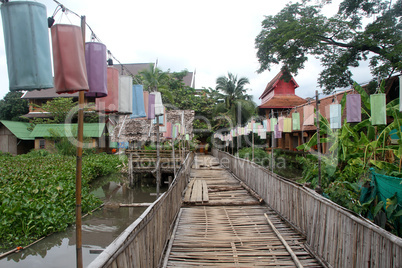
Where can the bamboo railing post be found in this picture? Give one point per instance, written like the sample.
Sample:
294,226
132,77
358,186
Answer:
158,168
272,145
318,139
80,137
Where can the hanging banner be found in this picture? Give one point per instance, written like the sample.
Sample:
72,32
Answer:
256,126
274,122
70,71
335,116
95,59
158,103
287,125
27,46
146,103
138,102
125,94
308,115
353,108
110,103
280,123
278,134
296,121
378,109
151,106
168,133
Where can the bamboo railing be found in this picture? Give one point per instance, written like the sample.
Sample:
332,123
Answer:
335,235
143,242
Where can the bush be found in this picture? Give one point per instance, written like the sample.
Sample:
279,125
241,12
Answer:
261,157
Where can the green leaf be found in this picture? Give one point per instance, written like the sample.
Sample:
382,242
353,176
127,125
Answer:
378,208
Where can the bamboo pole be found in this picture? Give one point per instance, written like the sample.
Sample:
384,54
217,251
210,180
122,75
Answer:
318,138
80,137
158,168
174,158
252,138
272,145
288,248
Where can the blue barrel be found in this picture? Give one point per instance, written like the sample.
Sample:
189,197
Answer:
27,45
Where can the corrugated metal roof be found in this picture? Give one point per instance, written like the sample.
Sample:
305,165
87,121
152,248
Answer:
19,129
93,130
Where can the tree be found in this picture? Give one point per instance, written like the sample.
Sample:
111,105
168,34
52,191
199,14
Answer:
237,104
59,109
12,106
340,42
154,79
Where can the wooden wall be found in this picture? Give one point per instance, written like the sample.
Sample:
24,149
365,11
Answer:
336,235
8,141
142,244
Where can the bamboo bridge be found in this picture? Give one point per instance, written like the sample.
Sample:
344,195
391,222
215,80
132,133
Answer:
229,212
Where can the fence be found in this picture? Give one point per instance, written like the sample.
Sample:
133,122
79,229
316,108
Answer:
142,243
337,236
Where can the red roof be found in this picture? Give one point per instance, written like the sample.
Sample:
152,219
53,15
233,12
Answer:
272,84
283,101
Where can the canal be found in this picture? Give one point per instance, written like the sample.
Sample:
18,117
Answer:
98,229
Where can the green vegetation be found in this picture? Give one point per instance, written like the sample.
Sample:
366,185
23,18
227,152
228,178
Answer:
261,157
355,149
37,193
12,107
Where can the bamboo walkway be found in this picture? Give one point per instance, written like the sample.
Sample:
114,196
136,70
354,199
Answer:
222,224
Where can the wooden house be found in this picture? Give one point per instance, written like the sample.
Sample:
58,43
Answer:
15,137
46,135
278,97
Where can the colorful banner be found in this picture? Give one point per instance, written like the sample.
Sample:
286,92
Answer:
308,115
296,121
353,108
378,109
287,125
335,116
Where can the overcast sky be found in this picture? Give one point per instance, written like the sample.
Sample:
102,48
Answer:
209,37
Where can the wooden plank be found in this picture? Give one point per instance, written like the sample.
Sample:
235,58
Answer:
205,196
188,191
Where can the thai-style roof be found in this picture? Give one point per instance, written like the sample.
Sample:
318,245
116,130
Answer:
19,129
283,101
272,84
93,130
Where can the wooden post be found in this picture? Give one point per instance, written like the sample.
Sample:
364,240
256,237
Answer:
130,170
80,137
252,144
318,138
174,158
169,180
272,145
158,168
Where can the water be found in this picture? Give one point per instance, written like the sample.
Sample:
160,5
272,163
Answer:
98,230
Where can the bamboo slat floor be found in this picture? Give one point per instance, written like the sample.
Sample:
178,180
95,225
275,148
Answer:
231,235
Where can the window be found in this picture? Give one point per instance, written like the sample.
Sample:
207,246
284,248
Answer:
41,144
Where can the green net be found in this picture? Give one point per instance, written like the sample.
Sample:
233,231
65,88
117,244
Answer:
383,186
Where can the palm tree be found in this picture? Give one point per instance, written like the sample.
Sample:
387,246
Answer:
237,104
155,79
